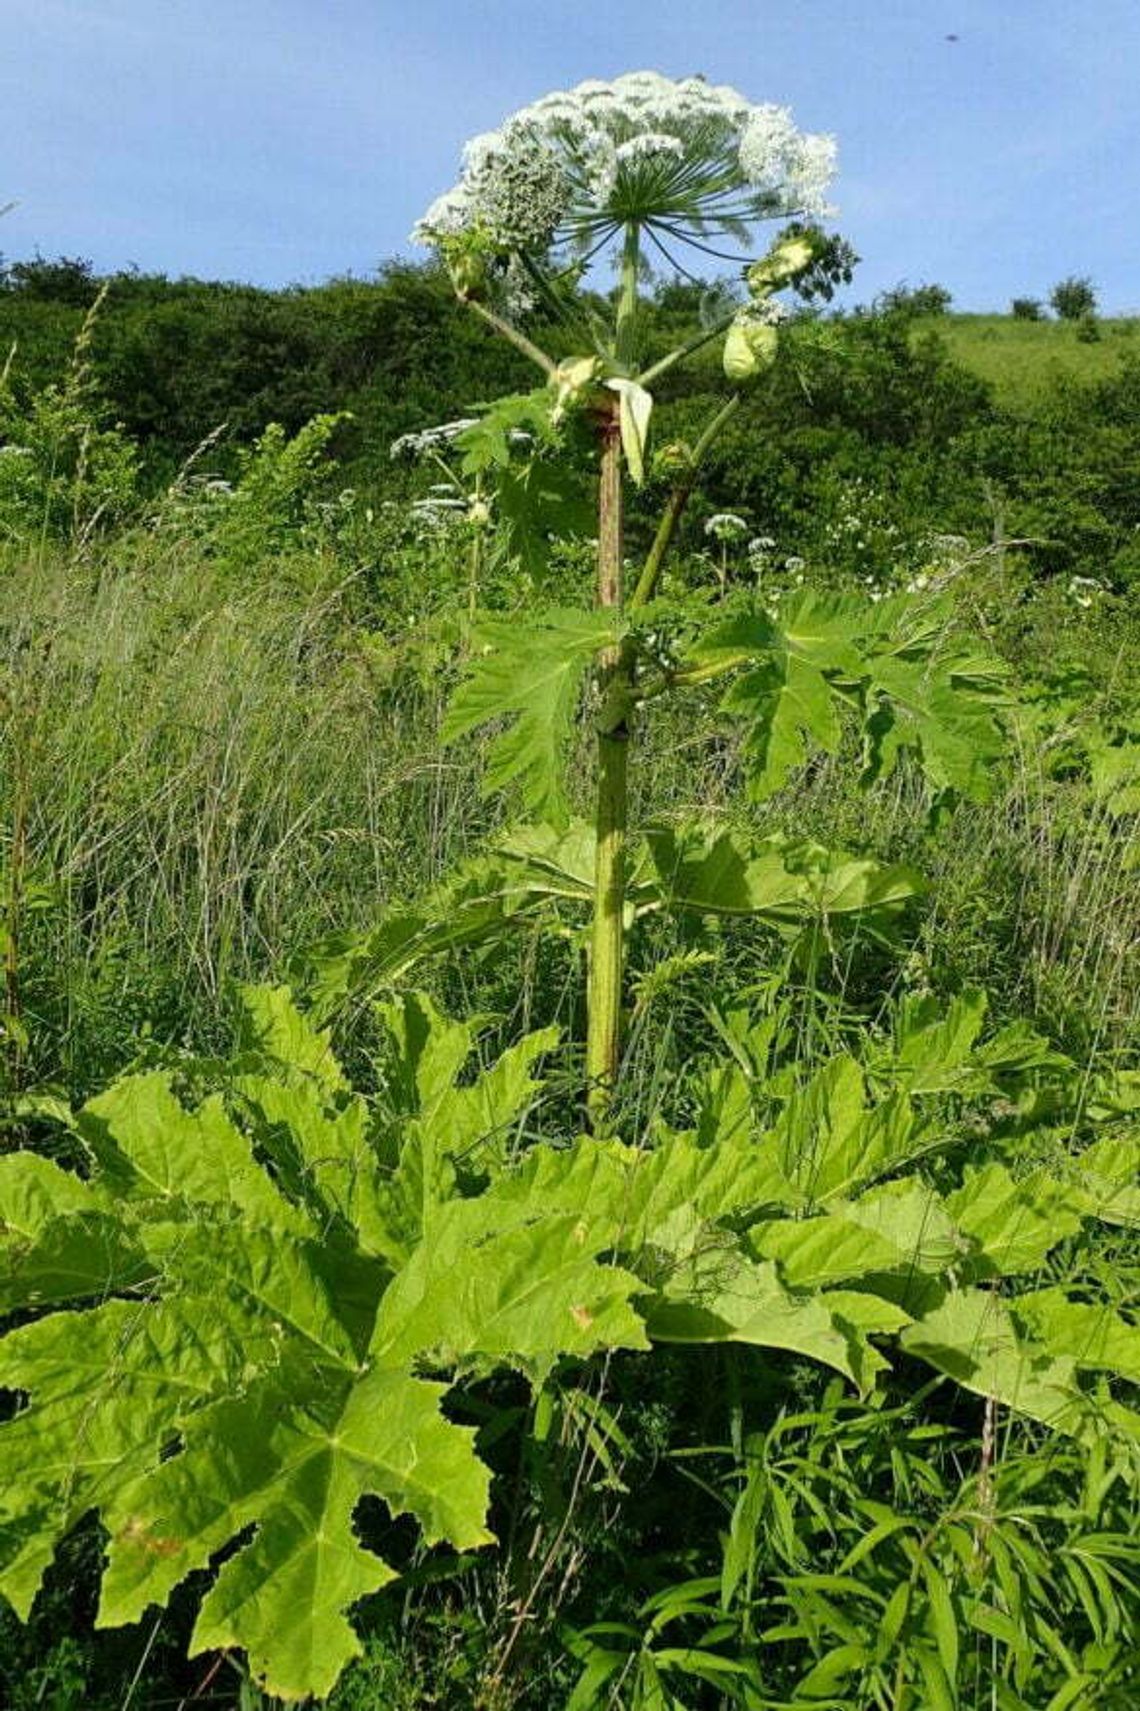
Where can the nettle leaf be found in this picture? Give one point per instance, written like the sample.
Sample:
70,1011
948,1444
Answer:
941,708
786,693
1109,1174
475,905
297,1468
1091,1333
277,1029
521,1297
532,675
786,702
447,1127
1014,1224
830,1141
256,1377
149,1146
59,1239
110,1387
719,1296
902,1228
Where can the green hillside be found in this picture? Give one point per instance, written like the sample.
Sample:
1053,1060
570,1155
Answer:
1022,359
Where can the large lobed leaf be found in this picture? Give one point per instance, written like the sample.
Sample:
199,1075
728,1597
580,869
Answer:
897,667
259,1289
530,674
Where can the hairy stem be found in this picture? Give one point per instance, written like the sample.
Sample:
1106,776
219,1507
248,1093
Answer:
603,1033
603,1040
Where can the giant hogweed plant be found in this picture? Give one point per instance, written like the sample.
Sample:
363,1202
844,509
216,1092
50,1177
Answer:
233,1319
650,164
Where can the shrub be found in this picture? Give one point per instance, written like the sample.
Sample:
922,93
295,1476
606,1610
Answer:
915,300
1026,309
1073,298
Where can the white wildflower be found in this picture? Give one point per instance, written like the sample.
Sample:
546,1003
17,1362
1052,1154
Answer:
649,145
427,440
696,158
726,526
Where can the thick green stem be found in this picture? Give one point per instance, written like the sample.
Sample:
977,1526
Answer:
627,296
603,1032
603,1039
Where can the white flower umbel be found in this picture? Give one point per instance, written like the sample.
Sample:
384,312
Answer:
682,159
726,526
428,440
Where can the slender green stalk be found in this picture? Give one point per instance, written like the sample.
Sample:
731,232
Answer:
682,351
513,336
674,510
627,295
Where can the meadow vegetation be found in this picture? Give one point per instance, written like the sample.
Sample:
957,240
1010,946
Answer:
808,1375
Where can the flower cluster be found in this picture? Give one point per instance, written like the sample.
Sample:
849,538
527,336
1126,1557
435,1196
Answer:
726,526
687,157
428,440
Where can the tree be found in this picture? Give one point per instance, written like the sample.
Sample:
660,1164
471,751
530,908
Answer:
1073,298
1026,309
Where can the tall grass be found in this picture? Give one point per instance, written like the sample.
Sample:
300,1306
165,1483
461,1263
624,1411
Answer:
205,770
212,776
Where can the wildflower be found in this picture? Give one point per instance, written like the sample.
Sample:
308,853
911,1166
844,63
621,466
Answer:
687,158
726,526
427,440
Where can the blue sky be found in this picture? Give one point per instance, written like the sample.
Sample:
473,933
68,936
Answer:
287,140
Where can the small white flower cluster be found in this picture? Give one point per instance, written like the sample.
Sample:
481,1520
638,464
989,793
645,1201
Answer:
436,513
644,147
794,169
1083,590
426,440
726,526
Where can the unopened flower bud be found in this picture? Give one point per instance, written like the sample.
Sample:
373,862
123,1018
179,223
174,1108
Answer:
749,349
787,258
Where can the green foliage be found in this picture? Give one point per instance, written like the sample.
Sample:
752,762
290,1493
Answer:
833,1162
537,877
247,1314
910,1580
533,674
1073,298
914,685
272,497
247,1306
915,300
64,470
